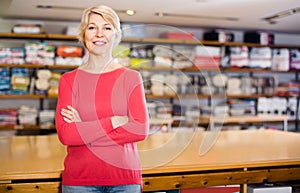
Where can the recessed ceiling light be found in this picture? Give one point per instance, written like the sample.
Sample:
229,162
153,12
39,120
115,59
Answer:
130,12
159,14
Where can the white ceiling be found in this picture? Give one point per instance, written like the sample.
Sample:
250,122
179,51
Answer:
249,13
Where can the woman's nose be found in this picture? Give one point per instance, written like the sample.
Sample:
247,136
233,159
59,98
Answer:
99,33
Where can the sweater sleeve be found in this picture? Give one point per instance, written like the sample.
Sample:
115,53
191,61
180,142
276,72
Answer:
138,119
77,133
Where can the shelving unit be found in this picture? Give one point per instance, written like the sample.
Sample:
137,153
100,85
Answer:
140,40
246,119
251,71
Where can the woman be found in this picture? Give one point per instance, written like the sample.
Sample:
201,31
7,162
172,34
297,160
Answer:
101,113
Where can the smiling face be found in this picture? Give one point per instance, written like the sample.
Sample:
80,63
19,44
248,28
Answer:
99,35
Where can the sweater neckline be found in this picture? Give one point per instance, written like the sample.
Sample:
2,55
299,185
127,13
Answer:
102,73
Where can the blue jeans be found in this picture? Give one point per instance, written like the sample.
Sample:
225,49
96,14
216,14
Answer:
132,188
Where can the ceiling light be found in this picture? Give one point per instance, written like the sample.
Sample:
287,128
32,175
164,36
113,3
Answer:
282,14
160,14
130,12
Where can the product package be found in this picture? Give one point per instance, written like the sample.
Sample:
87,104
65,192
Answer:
39,53
269,189
177,35
4,81
259,38
260,57
239,56
295,59
207,57
280,59
28,28
220,36
19,81
132,30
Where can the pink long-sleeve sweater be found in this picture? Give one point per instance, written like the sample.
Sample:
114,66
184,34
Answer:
98,154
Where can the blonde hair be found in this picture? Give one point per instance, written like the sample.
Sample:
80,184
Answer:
108,14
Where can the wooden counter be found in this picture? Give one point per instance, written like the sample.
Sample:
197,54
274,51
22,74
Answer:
170,160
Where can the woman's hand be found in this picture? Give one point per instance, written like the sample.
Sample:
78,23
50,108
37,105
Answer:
118,121
70,115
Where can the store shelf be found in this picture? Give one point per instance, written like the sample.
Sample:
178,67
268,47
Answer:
244,119
23,65
150,68
22,36
158,121
141,40
61,37
38,66
22,96
61,66
237,70
255,70
25,127
155,68
215,96
177,96
149,96
247,96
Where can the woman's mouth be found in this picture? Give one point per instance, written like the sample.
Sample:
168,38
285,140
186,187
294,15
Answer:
99,43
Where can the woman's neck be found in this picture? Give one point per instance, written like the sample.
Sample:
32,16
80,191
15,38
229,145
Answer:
99,64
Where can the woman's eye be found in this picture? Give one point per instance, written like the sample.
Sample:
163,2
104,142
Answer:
91,27
108,28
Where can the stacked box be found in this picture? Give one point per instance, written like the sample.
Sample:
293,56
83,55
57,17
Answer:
239,56
4,81
8,117
259,38
207,57
69,55
268,189
19,81
295,59
27,115
280,59
46,118
260,57
12,55
39,53
131,30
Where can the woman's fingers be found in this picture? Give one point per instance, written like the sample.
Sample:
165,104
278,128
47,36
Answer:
118,121
67,120
66,113
70,114
71,108
75,114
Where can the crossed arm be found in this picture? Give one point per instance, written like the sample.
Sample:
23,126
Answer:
74,131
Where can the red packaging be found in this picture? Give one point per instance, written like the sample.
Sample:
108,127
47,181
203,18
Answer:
177,35
207,61
69,51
